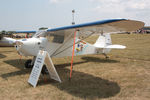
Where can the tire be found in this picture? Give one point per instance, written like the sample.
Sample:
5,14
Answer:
44,70
28,64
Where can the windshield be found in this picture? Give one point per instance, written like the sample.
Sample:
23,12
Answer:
40,33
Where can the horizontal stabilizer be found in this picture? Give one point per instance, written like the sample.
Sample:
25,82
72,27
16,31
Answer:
115,47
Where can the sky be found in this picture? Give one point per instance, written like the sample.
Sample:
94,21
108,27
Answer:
32,14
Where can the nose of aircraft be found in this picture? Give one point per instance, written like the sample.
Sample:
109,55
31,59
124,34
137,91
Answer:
29,47
18,45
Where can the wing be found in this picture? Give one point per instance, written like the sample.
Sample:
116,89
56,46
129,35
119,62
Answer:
105,26
24,31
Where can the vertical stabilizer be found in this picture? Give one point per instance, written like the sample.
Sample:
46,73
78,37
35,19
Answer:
104,44
103,40
108,39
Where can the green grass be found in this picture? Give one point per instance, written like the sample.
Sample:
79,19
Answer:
126,75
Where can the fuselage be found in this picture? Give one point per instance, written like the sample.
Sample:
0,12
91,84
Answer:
30,46
57,48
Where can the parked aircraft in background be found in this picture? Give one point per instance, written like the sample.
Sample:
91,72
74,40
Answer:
6,42
9,42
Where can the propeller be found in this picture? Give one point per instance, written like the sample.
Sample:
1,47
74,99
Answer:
17,44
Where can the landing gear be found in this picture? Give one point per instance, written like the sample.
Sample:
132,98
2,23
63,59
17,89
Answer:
28,64
107,57
44,70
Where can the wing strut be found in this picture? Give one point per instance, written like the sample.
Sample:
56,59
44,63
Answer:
73,54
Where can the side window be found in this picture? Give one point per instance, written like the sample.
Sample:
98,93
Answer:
58,39
50,38
55,38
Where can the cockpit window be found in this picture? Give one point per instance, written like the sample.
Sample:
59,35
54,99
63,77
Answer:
50,38
40,33
58,39
55,38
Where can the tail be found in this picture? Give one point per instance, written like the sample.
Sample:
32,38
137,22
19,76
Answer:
104,44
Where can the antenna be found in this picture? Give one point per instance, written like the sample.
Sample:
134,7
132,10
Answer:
73,12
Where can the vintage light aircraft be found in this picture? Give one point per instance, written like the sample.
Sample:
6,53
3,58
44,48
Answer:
62,41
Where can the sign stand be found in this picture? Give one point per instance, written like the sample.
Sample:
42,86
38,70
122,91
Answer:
42,57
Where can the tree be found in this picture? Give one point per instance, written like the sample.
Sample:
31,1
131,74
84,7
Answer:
10,33
3,32
43,28
1,35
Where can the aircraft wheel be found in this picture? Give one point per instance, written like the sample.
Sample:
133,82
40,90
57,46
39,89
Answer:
107,57
28,64
44,70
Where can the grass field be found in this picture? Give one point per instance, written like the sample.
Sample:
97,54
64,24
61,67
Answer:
125,76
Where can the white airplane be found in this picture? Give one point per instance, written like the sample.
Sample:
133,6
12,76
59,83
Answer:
59,42
9,42
6,42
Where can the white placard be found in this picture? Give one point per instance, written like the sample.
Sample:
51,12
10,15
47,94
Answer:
51,69
42,57
36,70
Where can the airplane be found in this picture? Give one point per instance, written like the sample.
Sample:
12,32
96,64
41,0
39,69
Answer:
9,42
62,41
6,42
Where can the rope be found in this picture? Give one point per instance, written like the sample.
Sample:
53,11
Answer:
72,54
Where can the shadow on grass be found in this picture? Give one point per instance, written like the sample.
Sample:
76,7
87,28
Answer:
16,73
2,56
84,85
23,70
96,59
18,64
87,59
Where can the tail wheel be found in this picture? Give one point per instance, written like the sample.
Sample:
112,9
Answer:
28,64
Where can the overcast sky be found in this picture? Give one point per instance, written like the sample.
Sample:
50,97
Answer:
33,14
